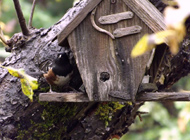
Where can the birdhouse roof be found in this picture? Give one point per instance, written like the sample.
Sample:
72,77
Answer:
145,10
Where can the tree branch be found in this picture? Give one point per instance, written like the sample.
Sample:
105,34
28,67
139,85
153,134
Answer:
32,13
154,96
21,18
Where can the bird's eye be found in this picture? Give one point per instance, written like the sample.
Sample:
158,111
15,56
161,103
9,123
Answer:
59,56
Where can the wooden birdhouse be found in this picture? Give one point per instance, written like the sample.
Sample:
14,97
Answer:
101,37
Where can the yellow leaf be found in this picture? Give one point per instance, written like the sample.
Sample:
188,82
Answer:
142,46
14,72
175,36
5,38
26,89
175,22
33,82
173,45
162,36
170,3
2,25
2,37
180,31
172,37
28,83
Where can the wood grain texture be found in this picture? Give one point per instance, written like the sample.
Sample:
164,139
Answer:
97,53
114,18
120,32
154,96
63,97
148,13
78,14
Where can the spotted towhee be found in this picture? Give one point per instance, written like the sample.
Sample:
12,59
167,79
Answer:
61,72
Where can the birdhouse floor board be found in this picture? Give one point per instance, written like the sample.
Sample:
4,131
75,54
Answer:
148,96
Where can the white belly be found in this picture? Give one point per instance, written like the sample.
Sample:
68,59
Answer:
62,80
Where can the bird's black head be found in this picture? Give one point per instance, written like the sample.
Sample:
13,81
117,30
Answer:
62,65
62,59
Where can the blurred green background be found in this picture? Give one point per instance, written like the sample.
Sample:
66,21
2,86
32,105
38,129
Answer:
47,13
165,121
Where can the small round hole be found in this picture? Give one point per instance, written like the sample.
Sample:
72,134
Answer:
104,76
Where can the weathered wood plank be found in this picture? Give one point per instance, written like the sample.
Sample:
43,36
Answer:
154,96
147,96
114,18
63,97
79,12
120,32
148,13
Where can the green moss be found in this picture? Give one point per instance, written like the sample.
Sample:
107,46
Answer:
106,111
46,88
43,89
54,121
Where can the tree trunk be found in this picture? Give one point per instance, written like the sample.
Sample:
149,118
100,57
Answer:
21,119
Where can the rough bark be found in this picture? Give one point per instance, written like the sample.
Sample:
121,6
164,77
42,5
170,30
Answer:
33,55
